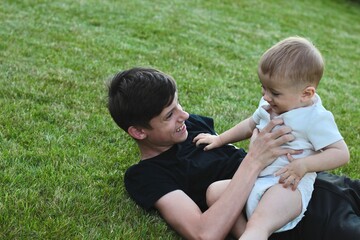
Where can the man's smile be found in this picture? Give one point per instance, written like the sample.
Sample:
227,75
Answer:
183,127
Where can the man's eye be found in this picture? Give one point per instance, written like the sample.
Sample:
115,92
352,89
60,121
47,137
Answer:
169,115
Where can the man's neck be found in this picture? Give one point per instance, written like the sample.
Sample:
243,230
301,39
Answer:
148,152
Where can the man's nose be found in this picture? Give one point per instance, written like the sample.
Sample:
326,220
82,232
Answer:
184,115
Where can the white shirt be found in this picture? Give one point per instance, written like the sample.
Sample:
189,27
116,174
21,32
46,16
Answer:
313,127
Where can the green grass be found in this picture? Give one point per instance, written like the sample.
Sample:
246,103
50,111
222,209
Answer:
62,159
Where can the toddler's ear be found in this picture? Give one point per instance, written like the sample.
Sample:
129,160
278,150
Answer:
137,133
308,93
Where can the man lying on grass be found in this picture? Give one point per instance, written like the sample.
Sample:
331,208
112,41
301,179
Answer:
173,174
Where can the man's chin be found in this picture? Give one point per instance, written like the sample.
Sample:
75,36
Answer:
183,137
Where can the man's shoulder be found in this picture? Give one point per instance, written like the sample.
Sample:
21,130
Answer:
148,180
200,123
154,164
195,118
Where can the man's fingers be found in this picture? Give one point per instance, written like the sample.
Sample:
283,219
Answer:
280,135
254,135
289,157
274,122
283,134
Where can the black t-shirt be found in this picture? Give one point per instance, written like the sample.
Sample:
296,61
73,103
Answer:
183,167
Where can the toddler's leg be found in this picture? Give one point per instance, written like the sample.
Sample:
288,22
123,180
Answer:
277,207
215,190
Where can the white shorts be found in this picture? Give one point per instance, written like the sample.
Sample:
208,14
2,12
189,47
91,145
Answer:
306,187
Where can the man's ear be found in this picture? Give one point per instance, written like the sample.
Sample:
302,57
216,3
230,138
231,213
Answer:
308,93
136,132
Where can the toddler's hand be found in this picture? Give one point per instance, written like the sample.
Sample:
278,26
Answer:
291,174
212,141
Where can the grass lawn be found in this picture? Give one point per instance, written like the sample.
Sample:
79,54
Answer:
62,159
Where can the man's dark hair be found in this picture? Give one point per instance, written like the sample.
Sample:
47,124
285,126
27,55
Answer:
139,94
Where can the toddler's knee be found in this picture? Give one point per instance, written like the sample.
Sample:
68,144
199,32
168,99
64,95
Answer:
211,195
215,190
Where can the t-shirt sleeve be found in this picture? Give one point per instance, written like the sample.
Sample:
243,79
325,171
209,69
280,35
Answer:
197,124
323,130
258,114
147,184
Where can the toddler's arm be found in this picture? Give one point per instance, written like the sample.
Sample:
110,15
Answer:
331,157
241,131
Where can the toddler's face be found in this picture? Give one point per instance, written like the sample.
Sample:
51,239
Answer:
281,95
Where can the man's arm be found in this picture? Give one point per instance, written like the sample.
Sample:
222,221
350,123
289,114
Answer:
186,218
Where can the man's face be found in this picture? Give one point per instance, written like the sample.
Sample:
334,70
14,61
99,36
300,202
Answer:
168,128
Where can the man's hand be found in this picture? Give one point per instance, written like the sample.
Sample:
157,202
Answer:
212,141
265,146
291,174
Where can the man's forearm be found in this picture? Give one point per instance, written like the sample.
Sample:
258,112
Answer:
221,216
